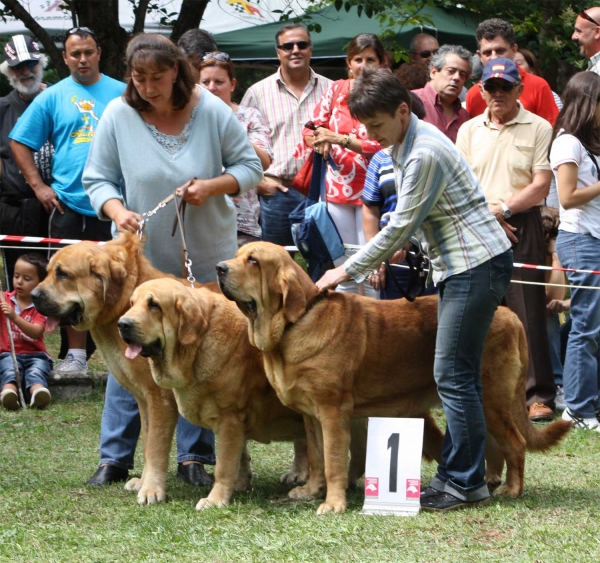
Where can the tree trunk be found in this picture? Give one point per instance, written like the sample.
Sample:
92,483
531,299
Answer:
190,17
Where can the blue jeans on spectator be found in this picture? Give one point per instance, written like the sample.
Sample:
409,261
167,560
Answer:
275,216
553,329
120,430
467,303
581,251
34,369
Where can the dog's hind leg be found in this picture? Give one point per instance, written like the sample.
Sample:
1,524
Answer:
244,480
315,484
358,450
494,462
298,473
433,438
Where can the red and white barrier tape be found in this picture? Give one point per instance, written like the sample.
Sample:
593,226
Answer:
43,240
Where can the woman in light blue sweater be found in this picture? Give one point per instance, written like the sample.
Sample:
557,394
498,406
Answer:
164,132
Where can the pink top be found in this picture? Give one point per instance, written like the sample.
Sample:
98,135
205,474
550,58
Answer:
346,184
436,115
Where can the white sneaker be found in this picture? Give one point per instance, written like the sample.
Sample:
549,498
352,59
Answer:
559,401
580,422
9,399
70,367
40,398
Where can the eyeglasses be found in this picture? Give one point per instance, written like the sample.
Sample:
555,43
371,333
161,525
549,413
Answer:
425,54
224,57
495,86
589,18
80,31
24,64
289,46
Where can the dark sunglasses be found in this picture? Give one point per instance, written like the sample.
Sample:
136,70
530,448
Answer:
223,57
289,46
494,86
24,64
425,54
589,18
80,31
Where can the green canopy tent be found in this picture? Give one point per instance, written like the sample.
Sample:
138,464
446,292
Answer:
338,28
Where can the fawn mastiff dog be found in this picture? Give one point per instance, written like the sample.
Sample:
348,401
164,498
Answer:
333,356
196,342
89,287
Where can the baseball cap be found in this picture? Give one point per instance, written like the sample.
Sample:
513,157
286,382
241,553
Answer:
501,68
20,49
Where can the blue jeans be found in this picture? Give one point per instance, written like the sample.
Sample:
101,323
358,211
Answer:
581,373
467,303
553,329
275,216
120,430
33,368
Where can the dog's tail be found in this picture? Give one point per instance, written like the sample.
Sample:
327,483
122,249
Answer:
536,439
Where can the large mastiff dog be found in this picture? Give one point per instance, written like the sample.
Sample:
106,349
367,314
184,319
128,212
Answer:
89,287
334,356
197,345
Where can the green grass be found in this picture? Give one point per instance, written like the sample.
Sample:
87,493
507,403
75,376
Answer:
48,515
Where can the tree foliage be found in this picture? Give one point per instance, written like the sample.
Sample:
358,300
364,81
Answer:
103,17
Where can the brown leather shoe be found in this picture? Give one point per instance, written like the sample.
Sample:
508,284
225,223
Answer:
539,412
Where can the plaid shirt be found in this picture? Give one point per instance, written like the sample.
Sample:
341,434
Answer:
286,116
441,202
594,64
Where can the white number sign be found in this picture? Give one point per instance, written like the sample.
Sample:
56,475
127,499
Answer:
393,470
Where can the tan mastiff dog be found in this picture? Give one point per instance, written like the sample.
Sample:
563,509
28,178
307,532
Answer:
197,345
89,287
335,356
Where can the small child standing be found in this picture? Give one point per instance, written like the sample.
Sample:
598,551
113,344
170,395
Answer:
27,327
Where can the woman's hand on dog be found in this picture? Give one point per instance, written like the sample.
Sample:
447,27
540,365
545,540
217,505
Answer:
333,278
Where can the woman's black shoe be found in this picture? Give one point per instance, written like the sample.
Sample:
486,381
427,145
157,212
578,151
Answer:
194,474
107,474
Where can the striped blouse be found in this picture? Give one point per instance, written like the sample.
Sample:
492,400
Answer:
439,201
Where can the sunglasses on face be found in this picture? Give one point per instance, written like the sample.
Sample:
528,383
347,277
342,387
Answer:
589,18
24,64
425,54
78,31
494,86
223,57
289,46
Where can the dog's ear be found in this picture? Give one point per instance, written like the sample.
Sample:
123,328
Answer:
294,298
112,274
191,319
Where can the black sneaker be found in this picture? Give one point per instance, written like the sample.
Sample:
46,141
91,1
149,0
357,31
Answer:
444,502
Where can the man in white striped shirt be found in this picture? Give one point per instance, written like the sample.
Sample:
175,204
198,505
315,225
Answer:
439,199
286,100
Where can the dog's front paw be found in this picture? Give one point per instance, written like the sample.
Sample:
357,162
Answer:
335,507
507,491
134,484
206,503
293,477
151,495
303,492
244,483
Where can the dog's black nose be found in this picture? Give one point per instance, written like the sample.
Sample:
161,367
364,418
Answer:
35,294
125,324
222,268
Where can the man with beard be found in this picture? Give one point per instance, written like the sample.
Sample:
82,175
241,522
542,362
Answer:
586,34
21,213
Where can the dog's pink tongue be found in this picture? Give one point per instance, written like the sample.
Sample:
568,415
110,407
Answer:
51,323
132,351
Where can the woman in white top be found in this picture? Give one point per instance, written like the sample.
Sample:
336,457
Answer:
574,160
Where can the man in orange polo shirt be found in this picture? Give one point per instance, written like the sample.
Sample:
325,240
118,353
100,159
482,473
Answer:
496,38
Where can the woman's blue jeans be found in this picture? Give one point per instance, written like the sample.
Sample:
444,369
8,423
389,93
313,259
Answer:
120,430
581,370
467,303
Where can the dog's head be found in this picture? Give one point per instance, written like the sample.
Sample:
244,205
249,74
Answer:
269,288
165,319
85,282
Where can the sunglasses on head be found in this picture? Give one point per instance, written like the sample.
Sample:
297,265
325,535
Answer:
80,31
302,45
24,64
224,57
425,54
589,18
495,86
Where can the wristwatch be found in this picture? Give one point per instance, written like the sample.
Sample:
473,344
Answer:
346,141
505,210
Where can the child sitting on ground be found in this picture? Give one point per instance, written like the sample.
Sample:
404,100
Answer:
27,327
